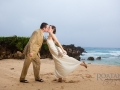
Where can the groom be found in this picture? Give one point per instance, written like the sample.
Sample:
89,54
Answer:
31,52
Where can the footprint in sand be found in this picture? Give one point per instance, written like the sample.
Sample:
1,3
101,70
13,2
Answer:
49,74
62,87
54,80
66,81
82,77
47,77
80,70
72,81
88,76
12,68
86,70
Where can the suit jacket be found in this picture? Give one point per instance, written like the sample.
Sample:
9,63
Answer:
34,44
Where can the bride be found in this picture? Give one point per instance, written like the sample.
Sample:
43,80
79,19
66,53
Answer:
64,64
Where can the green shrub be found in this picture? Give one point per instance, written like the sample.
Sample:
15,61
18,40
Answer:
45,46
17,43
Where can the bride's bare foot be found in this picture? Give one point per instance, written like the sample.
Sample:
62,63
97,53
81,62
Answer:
83,64
60,80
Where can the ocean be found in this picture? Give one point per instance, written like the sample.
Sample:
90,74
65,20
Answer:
109,56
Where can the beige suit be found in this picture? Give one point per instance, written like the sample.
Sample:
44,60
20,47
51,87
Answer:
33,46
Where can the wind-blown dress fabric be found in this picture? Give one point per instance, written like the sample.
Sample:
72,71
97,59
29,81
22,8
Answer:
64,64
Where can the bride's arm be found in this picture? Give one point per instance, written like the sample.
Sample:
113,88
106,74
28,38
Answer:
57,42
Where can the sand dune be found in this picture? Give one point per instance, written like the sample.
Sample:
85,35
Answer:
95,77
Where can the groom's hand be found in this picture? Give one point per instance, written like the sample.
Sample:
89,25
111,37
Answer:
31,54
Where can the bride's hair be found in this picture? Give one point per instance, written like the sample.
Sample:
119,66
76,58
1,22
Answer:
54,29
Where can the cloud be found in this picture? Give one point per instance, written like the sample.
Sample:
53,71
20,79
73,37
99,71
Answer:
82,22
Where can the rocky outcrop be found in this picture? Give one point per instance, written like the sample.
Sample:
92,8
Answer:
73,51
7,53
8,50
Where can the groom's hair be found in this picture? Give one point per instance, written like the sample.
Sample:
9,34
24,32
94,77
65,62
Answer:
43,25
54,29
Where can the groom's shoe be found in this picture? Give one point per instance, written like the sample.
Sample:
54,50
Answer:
40,80
24,81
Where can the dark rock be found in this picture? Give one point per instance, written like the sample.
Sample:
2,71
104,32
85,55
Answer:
15,55
18,55
91,58
73,51
98,58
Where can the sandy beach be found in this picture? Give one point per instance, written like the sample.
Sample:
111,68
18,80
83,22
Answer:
95,77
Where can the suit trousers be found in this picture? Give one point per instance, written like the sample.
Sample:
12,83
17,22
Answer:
36,67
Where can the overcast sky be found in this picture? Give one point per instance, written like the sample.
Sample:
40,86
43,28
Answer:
85,23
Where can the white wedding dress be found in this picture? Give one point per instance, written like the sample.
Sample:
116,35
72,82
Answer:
64,64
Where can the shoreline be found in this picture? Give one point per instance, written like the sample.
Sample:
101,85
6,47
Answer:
103,64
